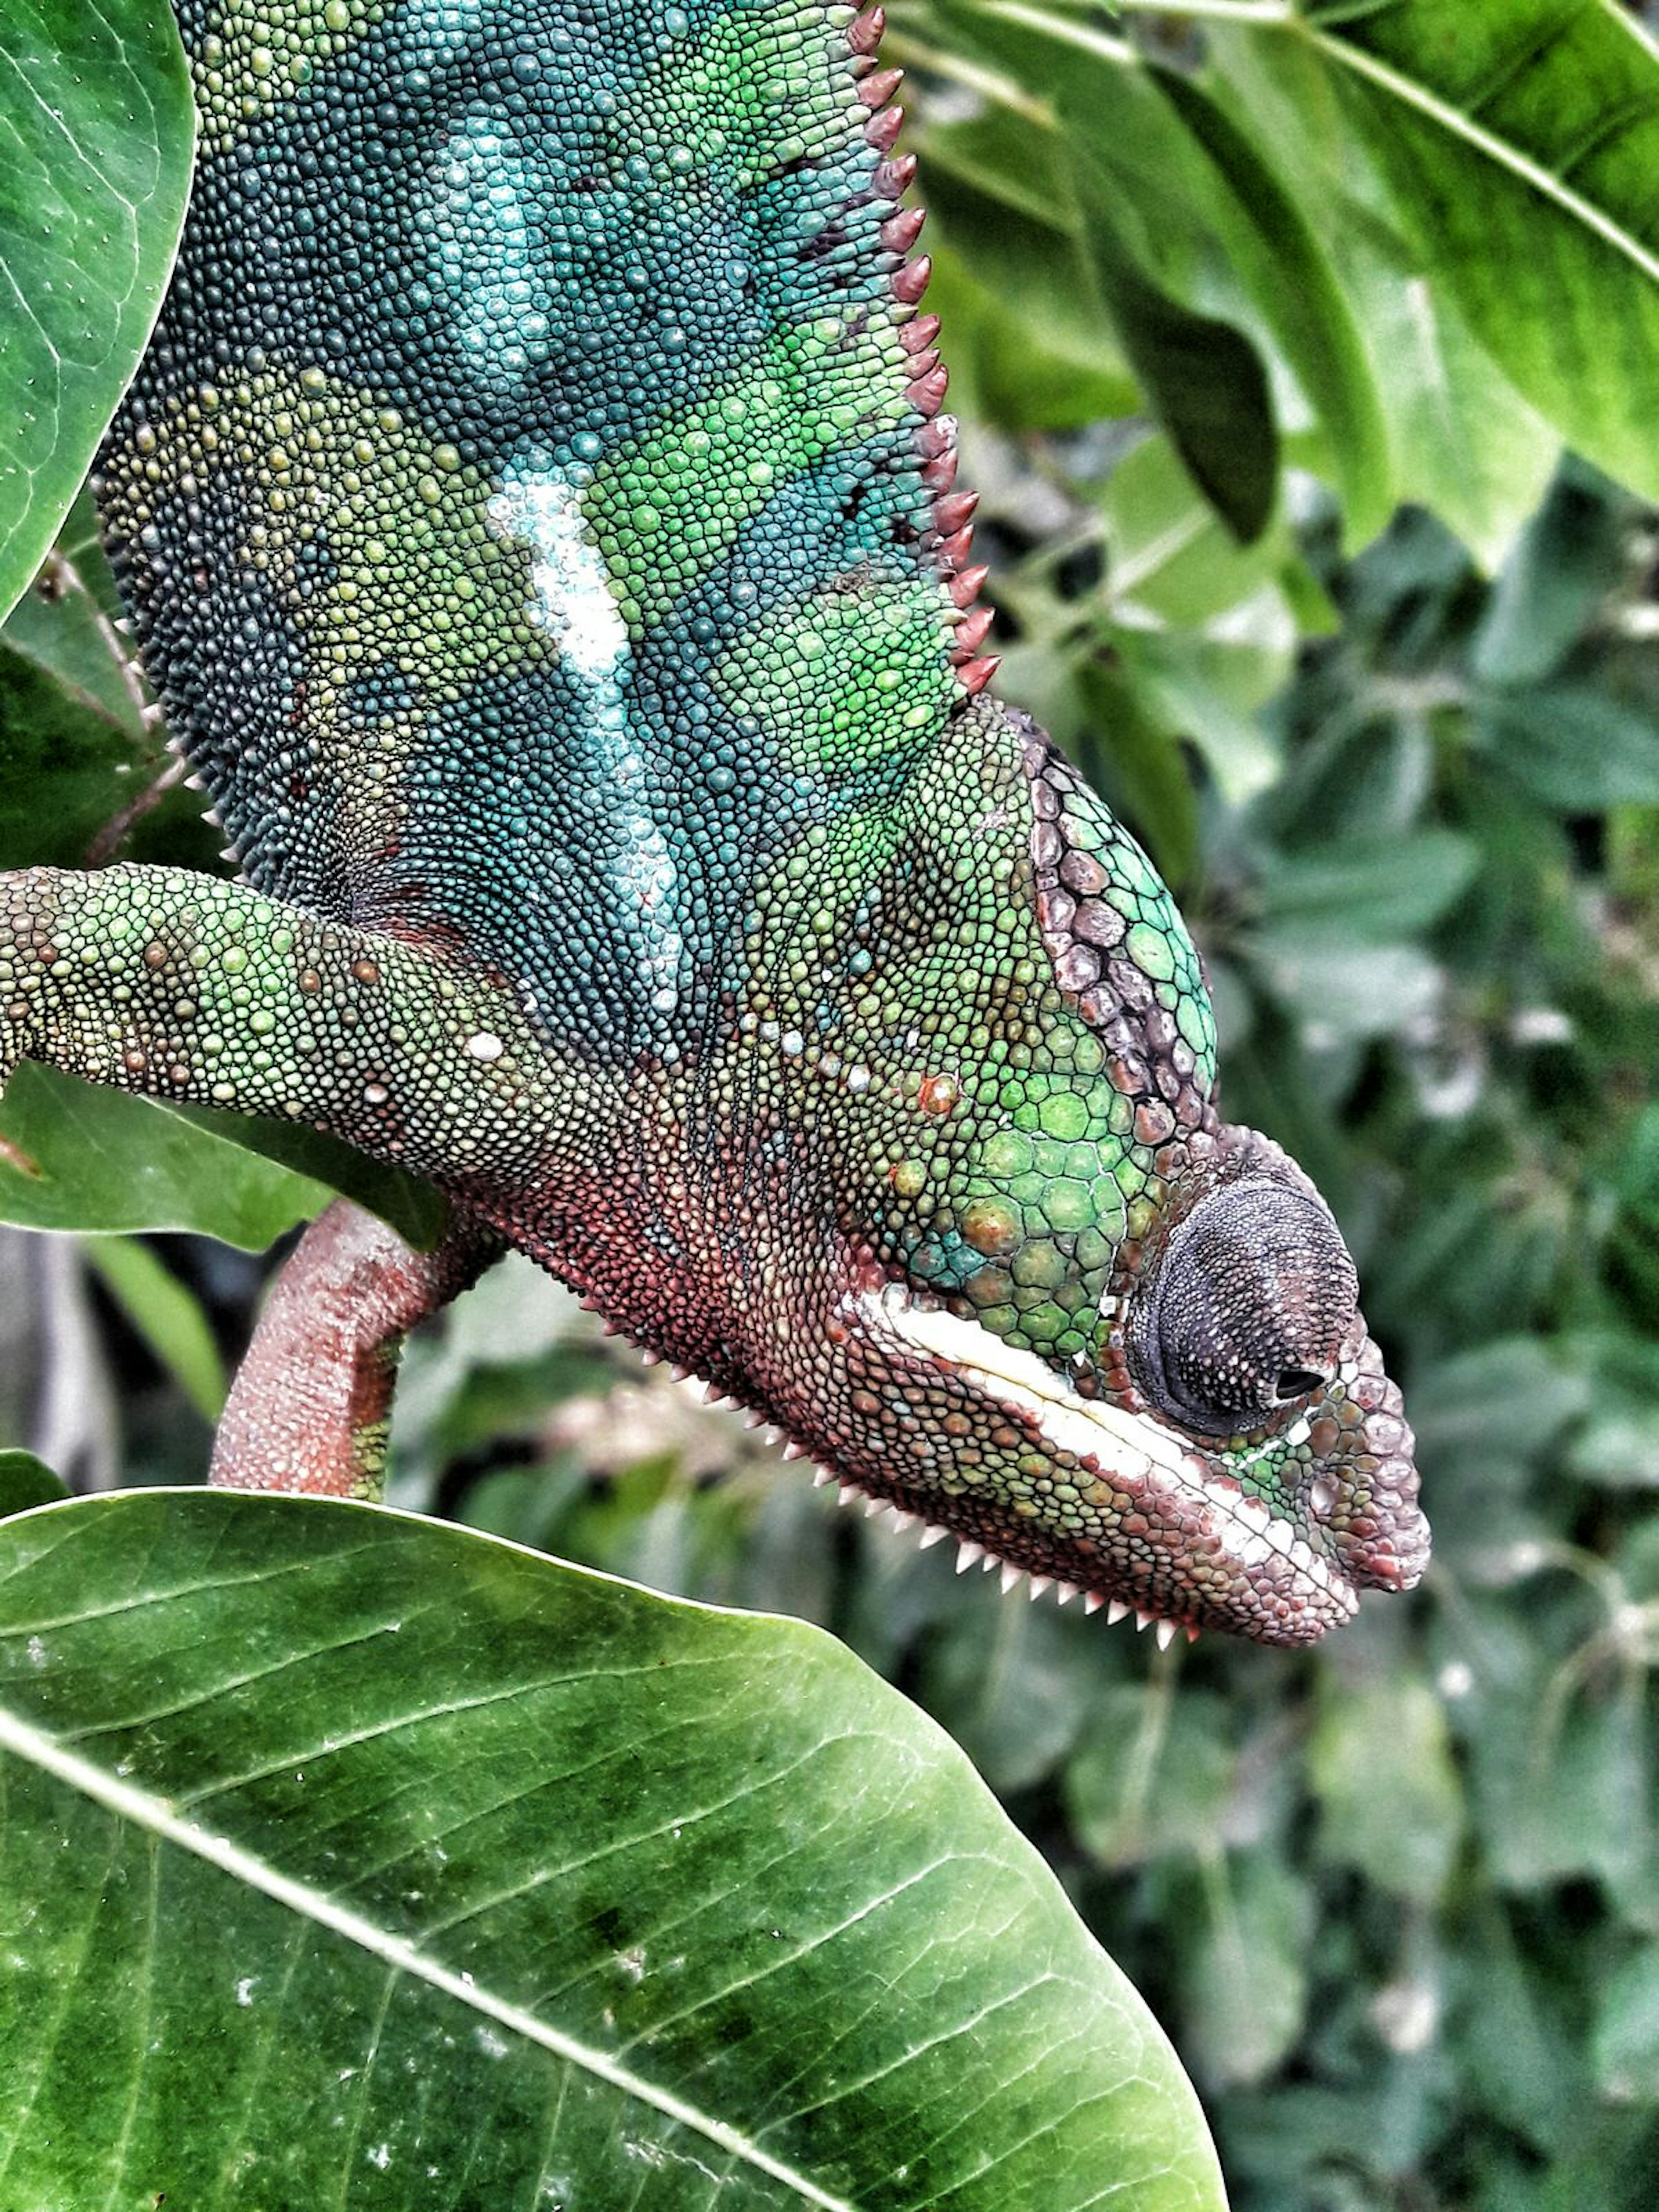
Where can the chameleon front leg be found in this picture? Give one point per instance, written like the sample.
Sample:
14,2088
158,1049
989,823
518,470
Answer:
187,988
312,1399
184,987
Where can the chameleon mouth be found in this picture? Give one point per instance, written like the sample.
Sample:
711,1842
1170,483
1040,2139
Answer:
1132,1451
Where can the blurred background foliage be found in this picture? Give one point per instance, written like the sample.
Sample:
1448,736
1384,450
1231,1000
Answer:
1289,554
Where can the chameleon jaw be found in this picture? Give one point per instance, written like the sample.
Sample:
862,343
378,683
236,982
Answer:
1136,1450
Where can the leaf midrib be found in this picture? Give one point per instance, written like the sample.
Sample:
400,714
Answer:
1499,151
155,1817
1343,54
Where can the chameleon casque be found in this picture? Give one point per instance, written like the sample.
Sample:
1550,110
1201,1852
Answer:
539,519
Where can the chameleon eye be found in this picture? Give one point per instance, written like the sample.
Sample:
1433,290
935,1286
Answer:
1252,1299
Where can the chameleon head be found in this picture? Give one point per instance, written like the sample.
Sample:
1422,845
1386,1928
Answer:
1079,1322
1229,1453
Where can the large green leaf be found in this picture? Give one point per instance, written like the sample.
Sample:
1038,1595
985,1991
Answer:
1522,138
25,1482
73,1155
1278,255
488,1882
96,129
1459,438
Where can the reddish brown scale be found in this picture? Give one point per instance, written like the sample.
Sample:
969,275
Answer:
883,129
900,232
935,439
912,281
864,34
971,633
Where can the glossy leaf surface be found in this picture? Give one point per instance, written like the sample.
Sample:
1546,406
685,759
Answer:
486,1881
96,135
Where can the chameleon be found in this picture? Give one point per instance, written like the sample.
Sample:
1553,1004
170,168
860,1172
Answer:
539,517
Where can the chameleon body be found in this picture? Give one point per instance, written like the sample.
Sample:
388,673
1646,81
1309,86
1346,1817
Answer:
539,519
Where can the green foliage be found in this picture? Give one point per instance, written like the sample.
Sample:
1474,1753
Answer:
96,120
488,1881
1370,667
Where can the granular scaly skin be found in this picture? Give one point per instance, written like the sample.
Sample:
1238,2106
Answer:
540,525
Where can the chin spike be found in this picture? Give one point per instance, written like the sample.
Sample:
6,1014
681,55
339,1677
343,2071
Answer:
901,1520
1116,1611
792,1451
1011,1575
1143,1621
930,1537
849,1493
1039,1583
967,1555
650,1358
872,1506
820,1476
1166,1634
1191,1633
